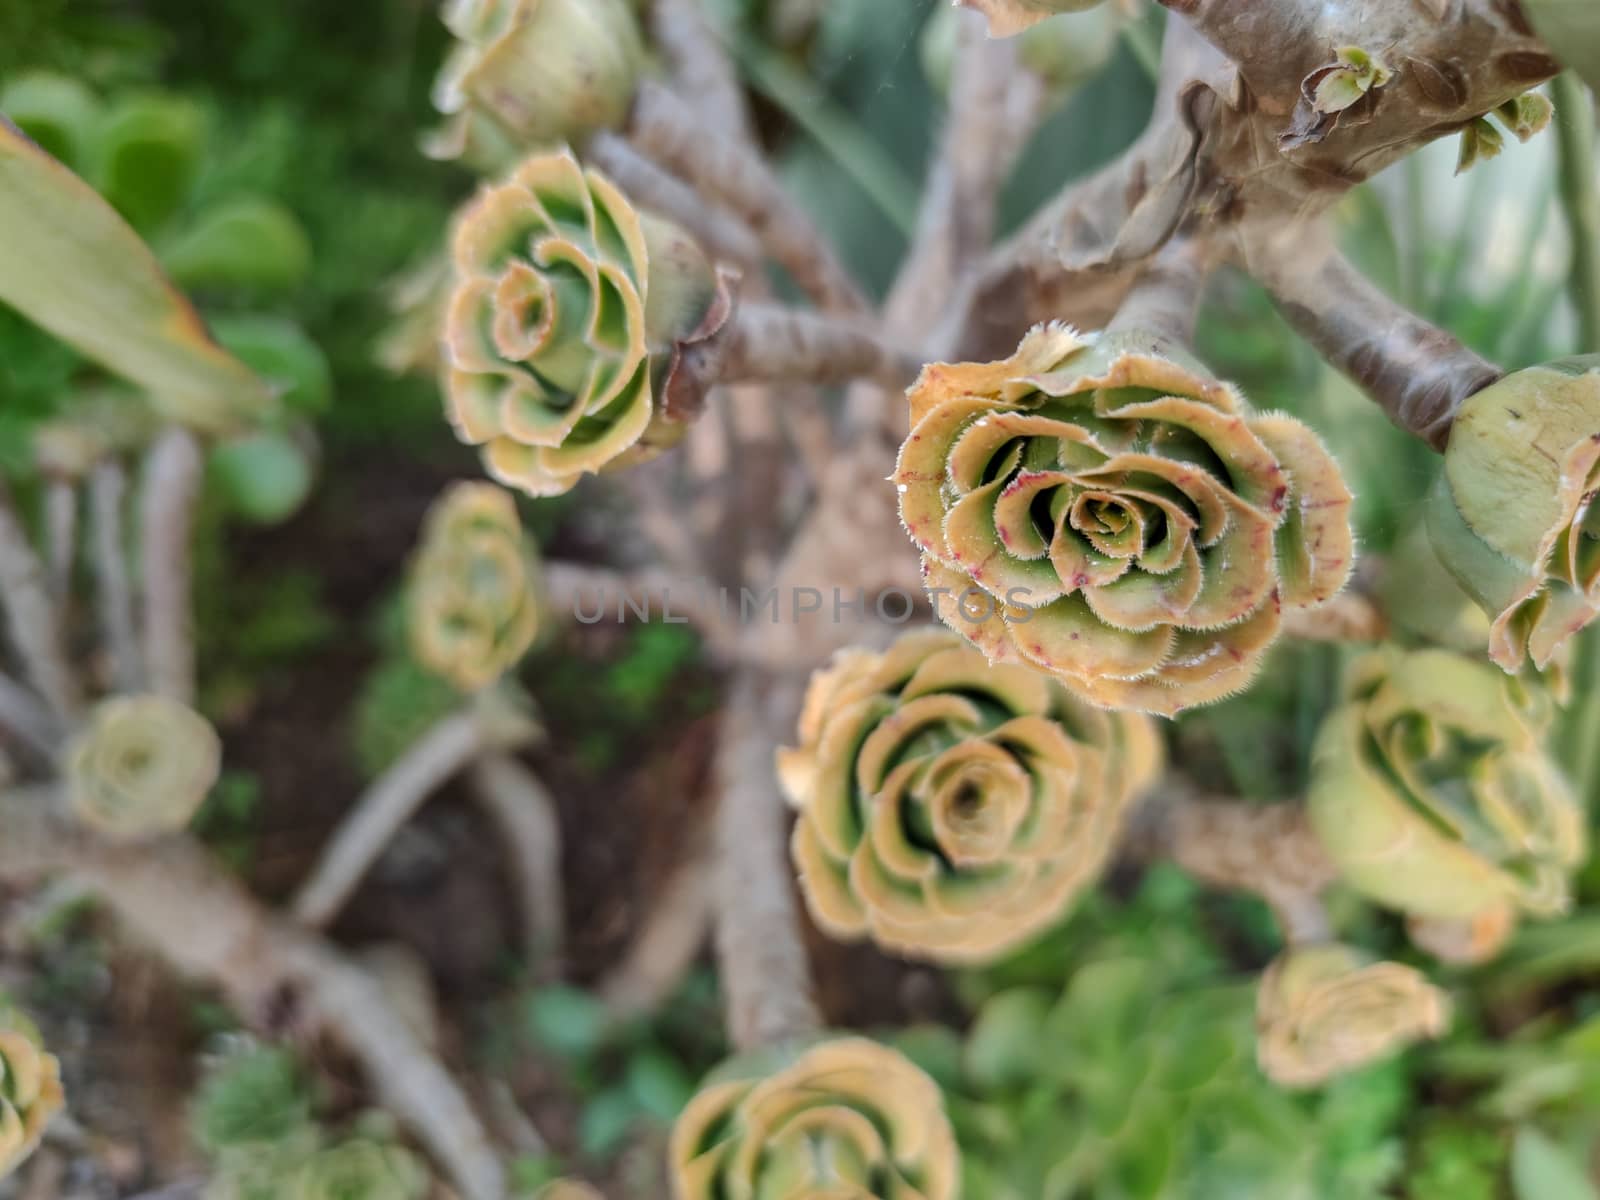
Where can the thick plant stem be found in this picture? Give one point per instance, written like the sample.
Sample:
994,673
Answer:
380,812
766,977
28,721
1417,373
1580,196
108,486
171,490
265,967
771,344
60,536
31,619
1165,299
524,817
666,129
722,234
1270,850
700,67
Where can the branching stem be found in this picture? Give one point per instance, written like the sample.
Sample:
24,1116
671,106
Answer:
166,527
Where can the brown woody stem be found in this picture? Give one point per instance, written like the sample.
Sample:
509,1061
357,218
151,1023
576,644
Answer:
166,531
1270,850
1165,298
766,977
108,487
767,343
524,816
28,721
380,811
32,620
260,962
667,130
60,536
666,947
1417,373
701,68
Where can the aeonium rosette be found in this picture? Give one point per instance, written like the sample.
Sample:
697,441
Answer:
1433,793
141,766
1513,515
473,600
1324,1010
30,1087
564,330
1103,510
951,809
845,1118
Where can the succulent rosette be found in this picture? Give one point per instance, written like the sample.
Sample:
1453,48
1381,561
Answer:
1513,515
565,323
141,766
30,1088
844,1119
951,809
1103,510
1324,1010
474,587
526,74
1433,793
359,1169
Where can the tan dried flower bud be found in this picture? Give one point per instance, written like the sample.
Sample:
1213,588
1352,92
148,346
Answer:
569,312
1007,17
951,809
1513,515
1324,1010
474,607
30,1088
1433,793
528,74
842,1118
141,766
1105,511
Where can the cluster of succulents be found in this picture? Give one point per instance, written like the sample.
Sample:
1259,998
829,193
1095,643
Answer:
30,1087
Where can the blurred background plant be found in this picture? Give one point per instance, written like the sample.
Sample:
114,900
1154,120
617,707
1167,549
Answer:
269,153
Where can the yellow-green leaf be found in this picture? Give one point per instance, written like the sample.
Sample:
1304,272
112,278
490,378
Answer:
74,267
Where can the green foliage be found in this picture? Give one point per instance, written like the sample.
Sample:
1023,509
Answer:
398,703
258,1094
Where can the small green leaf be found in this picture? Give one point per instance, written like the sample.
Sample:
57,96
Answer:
284,355
1543,1170
567,1021
263,477
251,242
659,1084
607,1121
56,111
148,153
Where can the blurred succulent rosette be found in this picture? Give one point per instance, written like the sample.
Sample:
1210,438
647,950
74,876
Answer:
528,74
30,1087
474,597
567,1189
845,1117
566,323
951,809
141,766
1103,510
359,1169
1327,1009
1513,514
1007,17
1063,53
1433,792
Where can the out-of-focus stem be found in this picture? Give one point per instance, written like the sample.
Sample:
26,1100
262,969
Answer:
766,977
380,811
22,716
108,486
666,129
60,536
666,946
1580,195
166,528
771,344
524,816
1417,373
32,620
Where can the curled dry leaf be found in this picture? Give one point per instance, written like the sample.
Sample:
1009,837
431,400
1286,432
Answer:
1464,941
1107,512
566,325
1433,793
1513,515
141,766
842,1118
1324,1010
30,1088
527,74
474,587
950,809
